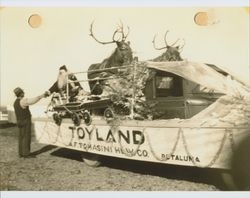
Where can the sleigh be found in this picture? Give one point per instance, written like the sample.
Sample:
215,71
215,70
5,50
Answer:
82,108
79,110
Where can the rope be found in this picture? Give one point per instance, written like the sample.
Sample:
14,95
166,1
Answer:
172,151
114,129
61,137
45,127
231,139
58,133
108,69
131,154
216,156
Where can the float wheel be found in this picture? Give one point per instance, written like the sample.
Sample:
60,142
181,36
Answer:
115,98
91,159
228,180
109,114
76,119
240,164
87,117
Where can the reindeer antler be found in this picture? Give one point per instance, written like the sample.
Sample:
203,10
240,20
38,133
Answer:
165,39
124,37
183,44
156,47
92,35
166,43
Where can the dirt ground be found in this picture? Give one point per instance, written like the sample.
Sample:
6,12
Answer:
60,169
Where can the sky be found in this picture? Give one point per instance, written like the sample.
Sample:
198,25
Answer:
30,57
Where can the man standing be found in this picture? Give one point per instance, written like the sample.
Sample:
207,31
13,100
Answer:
23,116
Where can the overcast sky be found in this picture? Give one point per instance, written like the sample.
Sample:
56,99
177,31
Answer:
30,57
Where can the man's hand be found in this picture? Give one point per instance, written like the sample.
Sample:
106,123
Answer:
46,94
104,75
83,93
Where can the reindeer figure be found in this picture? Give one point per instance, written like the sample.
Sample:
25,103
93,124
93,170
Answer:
172,53
121,56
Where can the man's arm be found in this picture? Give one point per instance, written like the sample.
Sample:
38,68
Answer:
30,101
73,78
54,88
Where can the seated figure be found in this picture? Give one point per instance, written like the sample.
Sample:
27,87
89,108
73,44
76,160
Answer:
60,85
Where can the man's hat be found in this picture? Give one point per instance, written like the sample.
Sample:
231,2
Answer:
63,67
18,91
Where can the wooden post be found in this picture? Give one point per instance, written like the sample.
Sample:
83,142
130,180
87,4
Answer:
133,94
67,89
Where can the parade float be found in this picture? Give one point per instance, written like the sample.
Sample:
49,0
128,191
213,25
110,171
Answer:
170,111
179,135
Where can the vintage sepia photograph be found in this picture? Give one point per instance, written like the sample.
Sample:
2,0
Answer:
124,98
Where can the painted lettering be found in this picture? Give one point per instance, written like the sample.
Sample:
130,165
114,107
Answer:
118,150
97,136
80,133
124,137
185,158
72,130
139,134
110,137
128,137
89,132
143,153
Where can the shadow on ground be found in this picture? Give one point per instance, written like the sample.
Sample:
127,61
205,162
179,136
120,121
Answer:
68,153
185,173
43,150
5,125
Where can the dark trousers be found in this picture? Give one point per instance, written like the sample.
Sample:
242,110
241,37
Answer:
24,138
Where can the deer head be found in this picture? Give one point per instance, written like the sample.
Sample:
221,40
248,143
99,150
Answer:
173,51
123,52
